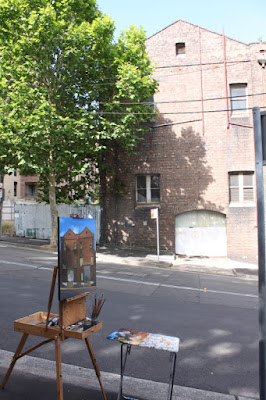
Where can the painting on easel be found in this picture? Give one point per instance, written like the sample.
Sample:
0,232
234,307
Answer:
76,256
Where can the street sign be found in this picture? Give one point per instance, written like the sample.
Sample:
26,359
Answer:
154,213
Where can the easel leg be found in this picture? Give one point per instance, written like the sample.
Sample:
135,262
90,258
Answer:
95,366
58,368
15,357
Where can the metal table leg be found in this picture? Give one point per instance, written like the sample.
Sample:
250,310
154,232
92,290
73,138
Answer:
123,361
172,375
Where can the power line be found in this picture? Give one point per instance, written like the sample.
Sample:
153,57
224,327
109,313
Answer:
198,64
176,123
170,113
150,103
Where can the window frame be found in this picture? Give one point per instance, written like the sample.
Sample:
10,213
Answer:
148,189
235,112
180,48
241,189
30,186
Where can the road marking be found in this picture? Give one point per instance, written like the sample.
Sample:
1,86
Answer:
24,265
143,282
177,287
18,263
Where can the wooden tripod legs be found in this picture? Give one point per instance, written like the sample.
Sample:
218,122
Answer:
14,359
95,366
59,380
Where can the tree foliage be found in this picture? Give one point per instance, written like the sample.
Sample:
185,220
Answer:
67,90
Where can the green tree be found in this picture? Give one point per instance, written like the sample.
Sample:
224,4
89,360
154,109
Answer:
67,90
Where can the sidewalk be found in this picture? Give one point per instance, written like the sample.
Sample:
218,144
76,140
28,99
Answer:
111,254
34,378
209,265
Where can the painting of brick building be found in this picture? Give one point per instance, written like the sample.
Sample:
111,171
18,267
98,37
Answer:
77,256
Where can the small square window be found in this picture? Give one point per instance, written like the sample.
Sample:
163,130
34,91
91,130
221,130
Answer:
180,48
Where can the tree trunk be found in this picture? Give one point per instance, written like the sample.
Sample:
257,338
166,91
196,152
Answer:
54,212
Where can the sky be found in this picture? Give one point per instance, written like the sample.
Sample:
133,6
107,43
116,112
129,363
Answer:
242,20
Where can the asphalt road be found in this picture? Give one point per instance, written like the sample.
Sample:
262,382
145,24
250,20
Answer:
215,317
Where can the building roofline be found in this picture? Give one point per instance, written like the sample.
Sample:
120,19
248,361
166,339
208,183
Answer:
186,22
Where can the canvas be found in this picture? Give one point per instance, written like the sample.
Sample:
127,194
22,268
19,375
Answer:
76,256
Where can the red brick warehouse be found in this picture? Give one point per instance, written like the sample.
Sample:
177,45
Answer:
197,164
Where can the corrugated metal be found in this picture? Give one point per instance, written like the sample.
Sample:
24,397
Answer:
34,220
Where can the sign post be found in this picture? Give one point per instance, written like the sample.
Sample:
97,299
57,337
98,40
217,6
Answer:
155,215
260,160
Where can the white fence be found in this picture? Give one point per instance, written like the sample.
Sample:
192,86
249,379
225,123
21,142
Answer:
34,220
8,210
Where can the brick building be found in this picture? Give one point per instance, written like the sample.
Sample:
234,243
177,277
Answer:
20,187
197,163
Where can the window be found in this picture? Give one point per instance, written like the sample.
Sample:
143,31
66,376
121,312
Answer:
238,95
15,188
30,190
180,48
241,187
70,275
148,189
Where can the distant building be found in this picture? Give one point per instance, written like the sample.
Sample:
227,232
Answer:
19,187
197,163
78,259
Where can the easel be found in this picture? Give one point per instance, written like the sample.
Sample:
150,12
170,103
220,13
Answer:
71,311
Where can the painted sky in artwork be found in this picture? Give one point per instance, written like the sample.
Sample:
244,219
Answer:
77,225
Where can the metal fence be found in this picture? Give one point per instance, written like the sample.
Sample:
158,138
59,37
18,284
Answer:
34,220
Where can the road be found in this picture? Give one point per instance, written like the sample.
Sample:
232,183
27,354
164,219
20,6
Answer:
215,317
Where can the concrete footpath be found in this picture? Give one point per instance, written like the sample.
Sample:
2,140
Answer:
138,257
35,378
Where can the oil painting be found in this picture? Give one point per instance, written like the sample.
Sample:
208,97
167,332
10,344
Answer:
76,256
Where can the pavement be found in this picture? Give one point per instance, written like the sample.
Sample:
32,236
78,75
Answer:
35,378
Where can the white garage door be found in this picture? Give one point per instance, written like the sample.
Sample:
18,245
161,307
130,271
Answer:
200,233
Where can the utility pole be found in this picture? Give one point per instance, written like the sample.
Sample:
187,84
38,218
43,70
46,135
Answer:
260,158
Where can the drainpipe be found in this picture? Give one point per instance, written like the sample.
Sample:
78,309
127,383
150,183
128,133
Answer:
226,86
201,82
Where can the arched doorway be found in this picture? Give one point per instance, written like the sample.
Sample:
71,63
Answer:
200,233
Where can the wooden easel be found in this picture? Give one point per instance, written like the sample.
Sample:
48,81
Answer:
71,311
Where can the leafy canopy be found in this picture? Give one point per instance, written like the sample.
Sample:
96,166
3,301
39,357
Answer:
67,89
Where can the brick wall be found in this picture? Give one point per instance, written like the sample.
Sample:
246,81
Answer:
24,180
193,152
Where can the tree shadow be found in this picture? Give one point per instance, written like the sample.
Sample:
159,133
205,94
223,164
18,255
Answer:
178,155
